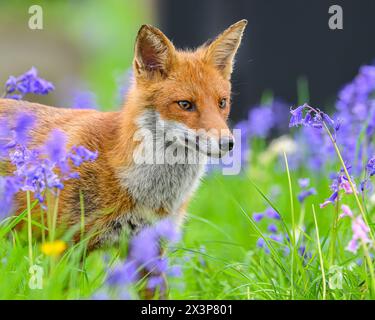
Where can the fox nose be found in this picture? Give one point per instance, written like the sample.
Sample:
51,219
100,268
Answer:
226,143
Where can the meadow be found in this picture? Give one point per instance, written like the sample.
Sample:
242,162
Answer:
296,223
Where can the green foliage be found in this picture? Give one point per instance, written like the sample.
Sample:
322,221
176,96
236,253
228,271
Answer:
218,254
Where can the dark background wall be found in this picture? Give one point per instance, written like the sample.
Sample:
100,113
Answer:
285,40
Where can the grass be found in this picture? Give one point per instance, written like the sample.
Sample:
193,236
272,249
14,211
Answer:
218,253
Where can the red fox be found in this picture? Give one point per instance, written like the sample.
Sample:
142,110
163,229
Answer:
184,92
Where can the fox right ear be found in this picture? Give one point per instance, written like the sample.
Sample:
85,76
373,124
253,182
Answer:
222,50
153,52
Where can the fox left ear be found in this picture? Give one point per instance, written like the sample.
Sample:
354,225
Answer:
153,52
222,50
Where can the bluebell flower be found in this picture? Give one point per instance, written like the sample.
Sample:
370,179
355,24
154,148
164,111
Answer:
9,186
156,282
371,166
124,274
276,237
55,146
28,83
304,182
80,154
260,243
36,169
272,213
305,193
260,121
84,100
24,123
272,228
258,216
297,116
145,254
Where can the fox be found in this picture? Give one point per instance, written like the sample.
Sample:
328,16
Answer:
187,92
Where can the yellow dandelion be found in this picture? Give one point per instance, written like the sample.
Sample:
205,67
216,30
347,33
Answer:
53,248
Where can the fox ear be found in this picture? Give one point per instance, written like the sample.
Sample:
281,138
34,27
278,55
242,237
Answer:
153,52
222,50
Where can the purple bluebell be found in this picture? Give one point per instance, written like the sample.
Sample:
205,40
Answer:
260,121
276,237
297,116
145,254
303,182
272,228
9,186
55,146
36,169
28,83
371,166
260,243
23,124
272,213
258,216
80,154
305,194
84,100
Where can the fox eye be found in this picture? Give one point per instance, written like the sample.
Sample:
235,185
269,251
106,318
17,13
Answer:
223,103
186,105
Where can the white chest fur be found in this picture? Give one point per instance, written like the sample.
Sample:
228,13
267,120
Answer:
161,186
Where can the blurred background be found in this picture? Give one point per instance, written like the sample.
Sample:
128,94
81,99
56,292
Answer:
87,45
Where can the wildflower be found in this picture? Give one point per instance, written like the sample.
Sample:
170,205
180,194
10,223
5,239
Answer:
261,121
304,183
9,186
340,182
54,248
272,228
344,184
258,216
314,118
371,166
35,169
10,136
302,250
260,243
55,146
360,234
17,87
272,213
144,253
24,123
175,271
305,193
297,116
123,274
331,199
84,100
80,154
276,237
346,212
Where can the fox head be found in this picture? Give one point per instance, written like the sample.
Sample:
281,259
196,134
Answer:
190,89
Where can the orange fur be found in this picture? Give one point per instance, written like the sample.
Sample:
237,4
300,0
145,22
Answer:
163,76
